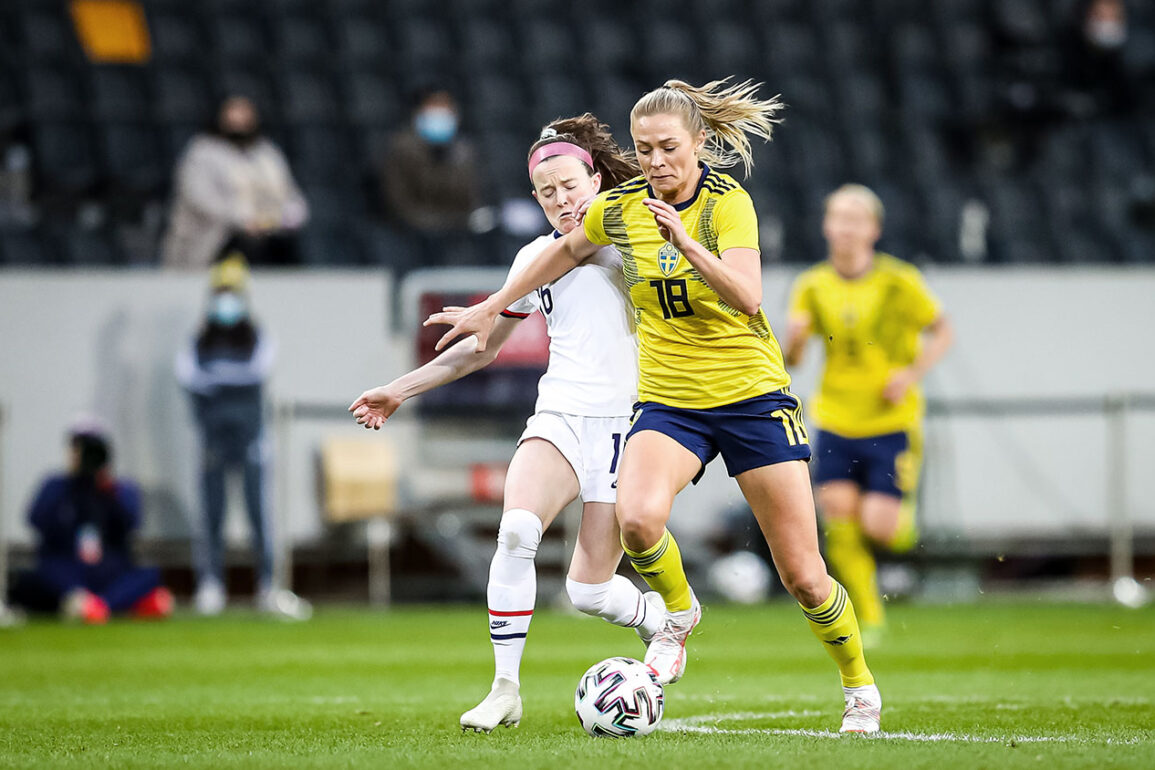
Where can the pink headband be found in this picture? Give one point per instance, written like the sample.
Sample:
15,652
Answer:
558,148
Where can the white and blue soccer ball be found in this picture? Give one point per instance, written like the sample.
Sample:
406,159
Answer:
619,698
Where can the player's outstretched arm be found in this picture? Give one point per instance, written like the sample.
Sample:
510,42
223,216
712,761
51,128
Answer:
375,406
557,259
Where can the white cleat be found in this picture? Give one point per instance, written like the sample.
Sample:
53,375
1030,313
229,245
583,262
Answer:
654,603
284,604
210,597
863,709
501,707
666,654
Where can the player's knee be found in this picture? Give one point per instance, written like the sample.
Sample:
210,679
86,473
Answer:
641,520
589,598
809,587
519,533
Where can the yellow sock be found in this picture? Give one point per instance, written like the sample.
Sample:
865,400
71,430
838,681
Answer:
852,561
661,567
834,623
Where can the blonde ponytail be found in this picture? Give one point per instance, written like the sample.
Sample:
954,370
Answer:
729,115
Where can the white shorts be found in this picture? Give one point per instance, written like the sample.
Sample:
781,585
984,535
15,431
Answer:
591,445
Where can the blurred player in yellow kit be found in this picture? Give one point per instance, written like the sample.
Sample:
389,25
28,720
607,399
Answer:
872,312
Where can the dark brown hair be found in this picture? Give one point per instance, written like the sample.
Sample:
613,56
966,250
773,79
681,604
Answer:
586,131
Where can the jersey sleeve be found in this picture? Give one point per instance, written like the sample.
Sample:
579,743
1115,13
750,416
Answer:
594,222
527,305
736,222
922,304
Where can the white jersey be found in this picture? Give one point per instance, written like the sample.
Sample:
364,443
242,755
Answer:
593,352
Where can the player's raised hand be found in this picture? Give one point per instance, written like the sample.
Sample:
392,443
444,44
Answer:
476,320
373,407
579,212
670,225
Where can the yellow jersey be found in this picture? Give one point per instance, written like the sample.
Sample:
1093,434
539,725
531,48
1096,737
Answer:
871,326
694,350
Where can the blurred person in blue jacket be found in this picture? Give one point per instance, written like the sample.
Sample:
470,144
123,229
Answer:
85,520
224,370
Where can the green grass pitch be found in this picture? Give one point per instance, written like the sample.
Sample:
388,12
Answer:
994,685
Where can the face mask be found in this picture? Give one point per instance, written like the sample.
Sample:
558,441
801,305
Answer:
227,309
241,138
1107,34
436,125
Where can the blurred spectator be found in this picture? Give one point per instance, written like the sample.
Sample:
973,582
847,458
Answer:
224,370
233,189
1096,78
429,181
85,519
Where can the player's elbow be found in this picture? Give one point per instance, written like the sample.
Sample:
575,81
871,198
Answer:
750,305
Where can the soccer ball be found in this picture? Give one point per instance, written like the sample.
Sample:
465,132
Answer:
619,698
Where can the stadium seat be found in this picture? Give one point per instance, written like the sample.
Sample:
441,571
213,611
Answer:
914,48
362,41
848,50
335,205
321,154
731,48
329,247
924,96
118,93
371,100
82,247
557,95
613,98
609,48
64,158
666,43
540,44
424,50
54,92
181,96
308,97
1083,244
792,50
26,248
176,38
487,46
131,159
238,38
301,39
493,99
49,36
861,96
867,152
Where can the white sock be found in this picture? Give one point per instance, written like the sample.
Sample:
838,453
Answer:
512,590
618,600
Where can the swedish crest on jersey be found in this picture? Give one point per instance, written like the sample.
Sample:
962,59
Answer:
668,258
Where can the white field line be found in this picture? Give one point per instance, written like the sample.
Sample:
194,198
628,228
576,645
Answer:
695,724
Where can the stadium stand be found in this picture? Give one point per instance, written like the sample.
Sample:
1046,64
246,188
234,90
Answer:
922,100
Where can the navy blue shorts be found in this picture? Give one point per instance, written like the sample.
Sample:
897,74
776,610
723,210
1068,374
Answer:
875,463
749,434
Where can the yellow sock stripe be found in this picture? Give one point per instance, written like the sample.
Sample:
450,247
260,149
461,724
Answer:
835,606
651,556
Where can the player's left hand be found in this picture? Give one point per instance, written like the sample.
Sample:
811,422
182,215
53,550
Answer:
670,225
897,386
373,407
476,320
